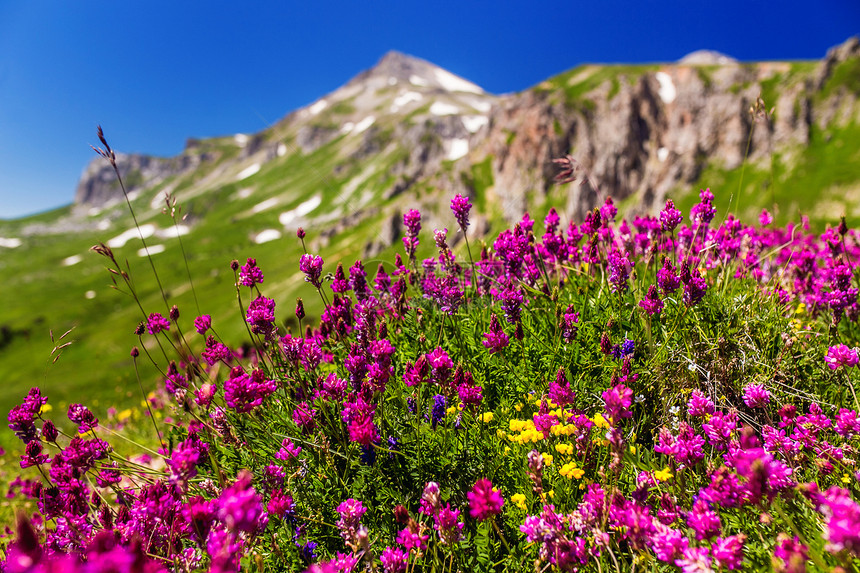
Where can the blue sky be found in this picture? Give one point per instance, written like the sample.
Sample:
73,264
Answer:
155,73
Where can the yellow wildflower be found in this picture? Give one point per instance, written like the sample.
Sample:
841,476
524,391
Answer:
518,407
547,459
570,471
519,500
487,417
663,475
600,421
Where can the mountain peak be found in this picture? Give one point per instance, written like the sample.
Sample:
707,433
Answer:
396,67
707,58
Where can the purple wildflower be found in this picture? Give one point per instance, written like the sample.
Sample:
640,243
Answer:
559,390
460,205
239,506
305,417
261,315
155,323
843,520
438,411
394,560
281,505
652,304
183,462
617,401
349,524
729,551
216,351
440,236
670,217
243,393
311,266
608,210
699,405
667,278
703,213
847,423
448,524
410,538
619,271
203,323
695,560
719,428
81,415
569,327
694,288
250,274
512,300
841,355
412,222
793,554
756,396
496,339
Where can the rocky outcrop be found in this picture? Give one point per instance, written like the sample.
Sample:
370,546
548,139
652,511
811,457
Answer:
99,187
648,134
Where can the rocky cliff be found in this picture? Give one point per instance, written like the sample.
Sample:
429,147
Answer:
646,130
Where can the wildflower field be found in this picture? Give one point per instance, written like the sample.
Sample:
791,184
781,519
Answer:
671,393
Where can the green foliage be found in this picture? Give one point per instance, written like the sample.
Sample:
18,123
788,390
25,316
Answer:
813,184
846,75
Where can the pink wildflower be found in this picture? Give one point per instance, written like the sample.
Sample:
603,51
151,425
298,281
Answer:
841,355
484,500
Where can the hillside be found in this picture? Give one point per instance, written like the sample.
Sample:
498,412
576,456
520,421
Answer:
407,134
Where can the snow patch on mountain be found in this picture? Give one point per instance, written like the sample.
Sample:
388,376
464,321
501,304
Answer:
442,108
153,250
267,235
473,123
318,107
248,171
364,124
173,232
267,204
455,84
458,148
667,92
404,99
145,231
300,210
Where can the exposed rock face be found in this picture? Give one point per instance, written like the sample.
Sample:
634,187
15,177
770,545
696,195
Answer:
98,185
655,131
